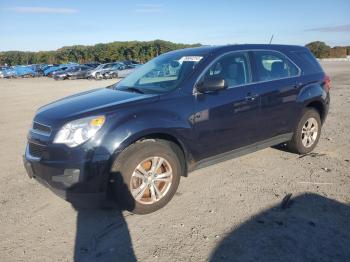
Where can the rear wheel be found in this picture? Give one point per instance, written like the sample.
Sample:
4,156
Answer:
146,175
307,133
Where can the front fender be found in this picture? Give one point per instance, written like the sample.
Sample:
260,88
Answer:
146,124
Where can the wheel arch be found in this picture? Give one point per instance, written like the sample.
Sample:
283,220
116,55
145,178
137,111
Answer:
314,96
319,107
186,156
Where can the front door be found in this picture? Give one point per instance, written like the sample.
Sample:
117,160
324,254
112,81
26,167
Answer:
226,119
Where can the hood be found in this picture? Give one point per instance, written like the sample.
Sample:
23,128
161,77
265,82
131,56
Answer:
97,101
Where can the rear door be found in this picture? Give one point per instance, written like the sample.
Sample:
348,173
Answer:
277,87
225,120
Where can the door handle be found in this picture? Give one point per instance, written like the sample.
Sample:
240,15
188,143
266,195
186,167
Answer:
251,97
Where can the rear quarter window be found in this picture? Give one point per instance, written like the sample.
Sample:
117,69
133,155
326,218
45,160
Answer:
272,65
309,62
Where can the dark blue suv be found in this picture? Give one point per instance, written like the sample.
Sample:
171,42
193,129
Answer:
130,143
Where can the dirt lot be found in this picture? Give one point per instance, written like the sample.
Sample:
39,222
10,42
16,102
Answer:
229,211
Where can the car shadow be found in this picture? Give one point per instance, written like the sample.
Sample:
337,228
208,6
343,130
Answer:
310,228
103,234
281,147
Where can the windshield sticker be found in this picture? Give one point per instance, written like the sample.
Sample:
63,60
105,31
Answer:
191,59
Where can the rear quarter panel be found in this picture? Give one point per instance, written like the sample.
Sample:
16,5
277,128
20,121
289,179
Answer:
312,91
310,81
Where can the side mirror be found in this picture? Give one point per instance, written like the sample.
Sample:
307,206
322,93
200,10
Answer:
211,85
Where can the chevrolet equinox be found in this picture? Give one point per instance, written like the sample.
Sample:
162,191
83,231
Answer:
130,143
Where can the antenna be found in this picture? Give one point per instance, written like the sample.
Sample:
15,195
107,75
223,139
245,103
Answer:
271,40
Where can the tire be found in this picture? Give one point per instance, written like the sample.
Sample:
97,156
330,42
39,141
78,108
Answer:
98,77
297,144
124,175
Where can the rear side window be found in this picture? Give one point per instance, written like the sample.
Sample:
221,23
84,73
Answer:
233,68
272,65
311,65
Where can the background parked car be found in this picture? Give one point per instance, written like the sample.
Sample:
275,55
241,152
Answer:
92,65
120,71
130,62
7,72
49,71
25,71
76,72
39,69
97,73
70,70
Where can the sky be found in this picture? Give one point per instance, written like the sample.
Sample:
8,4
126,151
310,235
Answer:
33,25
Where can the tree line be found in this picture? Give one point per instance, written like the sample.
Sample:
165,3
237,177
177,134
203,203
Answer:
103,53
140,51
322,50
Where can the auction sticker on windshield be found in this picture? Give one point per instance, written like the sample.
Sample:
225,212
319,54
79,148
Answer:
191,59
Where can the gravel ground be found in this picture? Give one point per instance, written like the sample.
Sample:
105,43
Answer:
230,211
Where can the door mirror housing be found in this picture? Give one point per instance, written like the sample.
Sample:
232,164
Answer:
211,85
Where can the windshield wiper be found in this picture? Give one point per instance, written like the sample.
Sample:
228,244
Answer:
132,89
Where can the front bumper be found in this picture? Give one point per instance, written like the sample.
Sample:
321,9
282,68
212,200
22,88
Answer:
81,179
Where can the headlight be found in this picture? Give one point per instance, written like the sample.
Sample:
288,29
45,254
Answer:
78,131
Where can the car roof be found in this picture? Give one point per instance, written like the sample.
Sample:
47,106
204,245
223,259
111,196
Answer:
227,48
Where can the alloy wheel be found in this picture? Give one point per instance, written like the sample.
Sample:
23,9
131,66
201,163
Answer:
309,132
151,180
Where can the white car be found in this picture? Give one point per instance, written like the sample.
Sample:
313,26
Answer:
120,71
98,71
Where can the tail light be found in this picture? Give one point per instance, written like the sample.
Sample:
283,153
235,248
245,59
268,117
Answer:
327,83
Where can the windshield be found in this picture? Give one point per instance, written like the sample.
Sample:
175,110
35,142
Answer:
162,74
100,66
107,66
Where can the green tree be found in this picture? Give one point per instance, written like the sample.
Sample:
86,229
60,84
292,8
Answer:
135,50
319,49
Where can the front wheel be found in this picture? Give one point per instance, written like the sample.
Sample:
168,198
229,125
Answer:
146,175
307,133
98,76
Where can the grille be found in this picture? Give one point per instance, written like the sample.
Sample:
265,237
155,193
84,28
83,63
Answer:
37,127
36,150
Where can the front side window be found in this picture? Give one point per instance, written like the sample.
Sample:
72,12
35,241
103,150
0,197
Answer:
273,65
162,74
233,68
